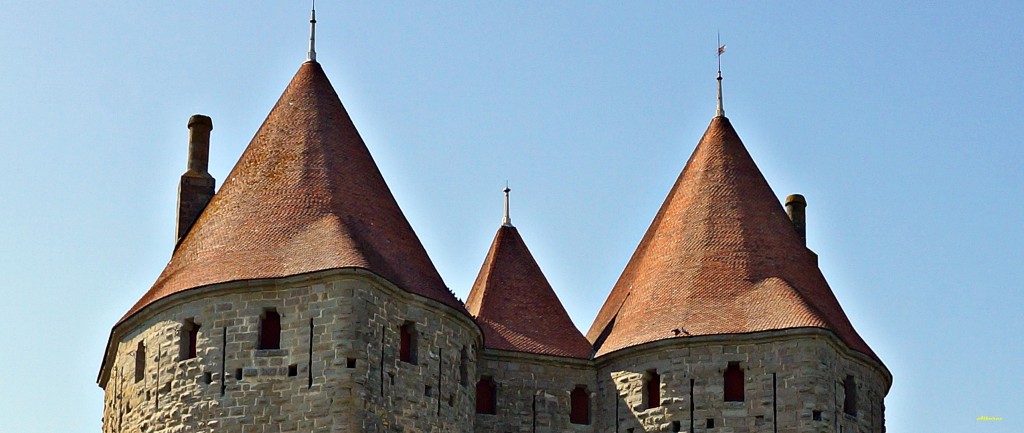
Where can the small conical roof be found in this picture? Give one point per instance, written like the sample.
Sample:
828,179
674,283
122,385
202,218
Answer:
720,257
305,196
515,305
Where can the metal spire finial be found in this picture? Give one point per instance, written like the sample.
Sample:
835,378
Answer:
311,55
721,49
506,220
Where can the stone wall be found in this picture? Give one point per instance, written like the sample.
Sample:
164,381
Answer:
533,392
339,337
788,377
338,369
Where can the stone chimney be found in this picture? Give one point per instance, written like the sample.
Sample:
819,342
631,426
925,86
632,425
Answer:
196,187
795,207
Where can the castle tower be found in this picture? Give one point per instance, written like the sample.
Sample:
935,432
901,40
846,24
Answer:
535,368
300,297
722,317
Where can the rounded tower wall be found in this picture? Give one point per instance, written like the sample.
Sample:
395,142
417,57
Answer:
792,380
335,364
534,392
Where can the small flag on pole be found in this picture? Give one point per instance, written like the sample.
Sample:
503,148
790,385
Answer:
721,50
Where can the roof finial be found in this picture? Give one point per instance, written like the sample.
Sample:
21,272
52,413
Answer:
721,49
506,220
311,55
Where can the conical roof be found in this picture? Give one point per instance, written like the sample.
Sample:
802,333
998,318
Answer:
305,196
515,305
720,257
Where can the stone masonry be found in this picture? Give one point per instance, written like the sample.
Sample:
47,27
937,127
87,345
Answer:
337,370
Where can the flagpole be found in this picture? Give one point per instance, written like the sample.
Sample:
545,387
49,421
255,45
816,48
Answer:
720,112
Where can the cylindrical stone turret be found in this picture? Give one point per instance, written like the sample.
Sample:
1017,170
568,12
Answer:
196,187
796,207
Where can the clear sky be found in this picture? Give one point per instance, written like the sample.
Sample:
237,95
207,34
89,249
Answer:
899,121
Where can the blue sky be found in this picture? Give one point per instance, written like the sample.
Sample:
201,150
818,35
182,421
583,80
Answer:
900,123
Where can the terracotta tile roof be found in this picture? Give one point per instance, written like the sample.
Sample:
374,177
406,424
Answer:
305,196
720,257
515,305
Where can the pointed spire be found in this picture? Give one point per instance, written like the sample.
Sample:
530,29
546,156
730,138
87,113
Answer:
721,49
720,257
311,55
506,220
515,306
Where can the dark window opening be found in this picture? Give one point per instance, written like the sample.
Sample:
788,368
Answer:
407,346
189,336
426,390
816,415
677,426
711,423
463,367
207,378
733,382
238,374
652,389
293,370
850,402
140,361
579,412
350,363
270,330
451,400
486,396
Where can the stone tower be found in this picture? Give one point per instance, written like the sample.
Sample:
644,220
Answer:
299,299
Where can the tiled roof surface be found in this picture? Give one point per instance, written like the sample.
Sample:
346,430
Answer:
720,257
305,196
515,305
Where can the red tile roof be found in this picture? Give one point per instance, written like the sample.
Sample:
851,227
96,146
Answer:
515,305
721,257
305,196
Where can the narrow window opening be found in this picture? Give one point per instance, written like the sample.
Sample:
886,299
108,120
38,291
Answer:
391,377
579,412
733,382
677,426
630,430
309,361
463,367
148,395
293,370
816,415
711,423
350,363
140,361
270,330
426,390
451,400
486,396
238,374
189,337
850,402
407,346
652,389
207,378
